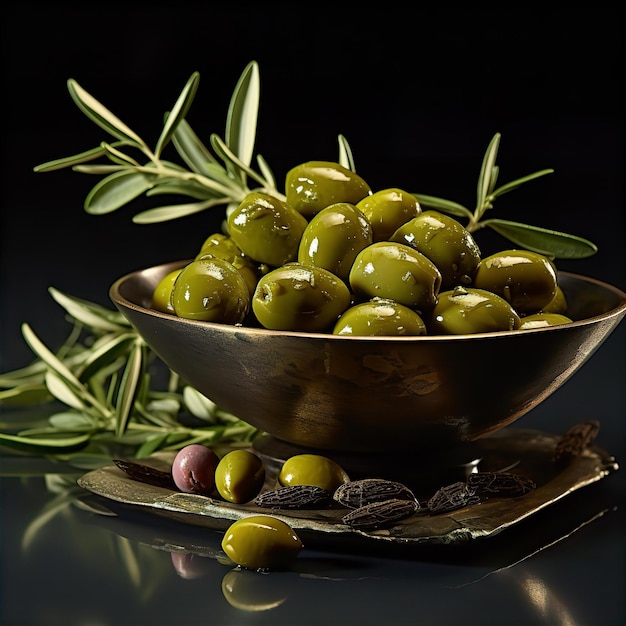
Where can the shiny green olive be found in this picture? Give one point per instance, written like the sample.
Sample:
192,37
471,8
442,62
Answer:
525,279
162,294
212,290
239,476
300,297
446,242
261,542
467,310
314,185
380,317
558,304
387,209
266,229
223,247
541,320
312,469
334,237
396,271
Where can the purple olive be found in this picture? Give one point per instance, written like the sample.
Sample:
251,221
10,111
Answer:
193,469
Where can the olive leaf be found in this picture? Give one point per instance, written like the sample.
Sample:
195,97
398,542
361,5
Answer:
83,157
191,150
117,190
62,391
129,388
241,120
199,405
173,211
345,154
90,314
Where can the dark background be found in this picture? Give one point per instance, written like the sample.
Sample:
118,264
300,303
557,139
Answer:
418,94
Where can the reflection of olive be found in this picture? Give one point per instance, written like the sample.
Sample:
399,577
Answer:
312,186
396,271
212,290
266,229
189,565
446,242
162,294
239,476
387,209
333,237
467,310
540,320
299,297
380,317
251,591
312,469
525,279
261,542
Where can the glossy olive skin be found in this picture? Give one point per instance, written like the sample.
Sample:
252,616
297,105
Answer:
541,320
223,247
525,279
193,469
266,229
558,304
300,297
314,185
212,290
162,295
312,469
398,272
334,237
380,317
239,476
388,209
467,310
261,542
446,242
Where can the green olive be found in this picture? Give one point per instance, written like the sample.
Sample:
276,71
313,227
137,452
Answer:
525,279
312,469
446,242
387,209
396,271
467,310
300,297
312,186
239,476
261,542
558,304
541,320
266,229
211,289
334,237
380,317
162,294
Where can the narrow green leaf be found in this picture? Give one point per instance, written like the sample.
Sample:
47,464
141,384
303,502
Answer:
25,394
151,445
514,184
52,441
105,355
542,240
70,161
231,159
129,389
101,115
117,190
174,211
486,172
62,391
199,405
268,175
183,188
70,420
447,206
91,314
191,149
179,111
345,154
241,120
117,156
100,169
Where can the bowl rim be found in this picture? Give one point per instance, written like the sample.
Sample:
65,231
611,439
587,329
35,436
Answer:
118,299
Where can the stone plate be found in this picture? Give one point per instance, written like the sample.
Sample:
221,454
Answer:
525,452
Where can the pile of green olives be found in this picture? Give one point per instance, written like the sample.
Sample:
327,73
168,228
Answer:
336,257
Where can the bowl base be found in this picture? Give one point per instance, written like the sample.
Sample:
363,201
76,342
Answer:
423,474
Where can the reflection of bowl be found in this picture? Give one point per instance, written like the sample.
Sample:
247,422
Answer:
374,394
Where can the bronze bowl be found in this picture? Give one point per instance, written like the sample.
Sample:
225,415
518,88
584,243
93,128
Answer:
363,397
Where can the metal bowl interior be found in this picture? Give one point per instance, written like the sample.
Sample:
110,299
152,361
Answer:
339,394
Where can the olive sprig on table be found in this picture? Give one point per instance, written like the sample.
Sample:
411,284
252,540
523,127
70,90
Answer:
213,183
